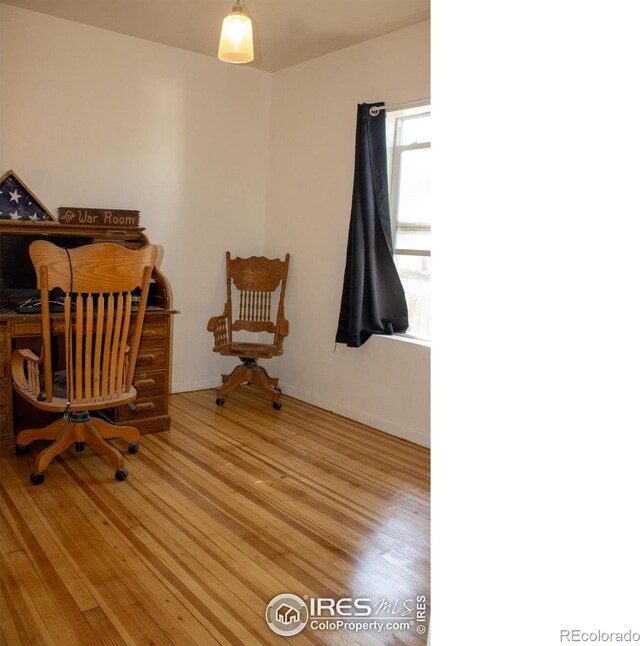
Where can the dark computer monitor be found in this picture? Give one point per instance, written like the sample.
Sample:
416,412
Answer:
17,275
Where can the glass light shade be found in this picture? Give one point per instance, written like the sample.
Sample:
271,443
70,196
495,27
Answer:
236,38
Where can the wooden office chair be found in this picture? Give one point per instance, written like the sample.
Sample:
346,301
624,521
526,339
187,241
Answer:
254,281
101,339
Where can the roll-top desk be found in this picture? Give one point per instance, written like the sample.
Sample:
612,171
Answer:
152,378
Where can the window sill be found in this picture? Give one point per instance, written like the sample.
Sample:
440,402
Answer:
405,338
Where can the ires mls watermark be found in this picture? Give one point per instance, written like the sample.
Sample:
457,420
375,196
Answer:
577,635
287,614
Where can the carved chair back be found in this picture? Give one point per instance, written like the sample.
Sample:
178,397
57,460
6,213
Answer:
255,293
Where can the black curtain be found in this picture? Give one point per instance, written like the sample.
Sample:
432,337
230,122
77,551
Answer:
373,299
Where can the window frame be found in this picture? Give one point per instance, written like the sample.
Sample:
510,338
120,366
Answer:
395,151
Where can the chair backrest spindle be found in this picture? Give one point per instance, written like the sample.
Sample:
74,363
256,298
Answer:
88,339
97,354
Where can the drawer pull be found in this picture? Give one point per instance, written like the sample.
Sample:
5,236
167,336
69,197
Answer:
145,406
149,332
144,382
146,358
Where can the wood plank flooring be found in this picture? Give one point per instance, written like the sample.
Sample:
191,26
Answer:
233,506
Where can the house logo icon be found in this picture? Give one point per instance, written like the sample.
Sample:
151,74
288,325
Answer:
287,615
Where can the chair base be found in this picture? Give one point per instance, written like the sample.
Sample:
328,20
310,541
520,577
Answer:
250,372
78,428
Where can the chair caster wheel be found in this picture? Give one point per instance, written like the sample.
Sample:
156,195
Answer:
121,474
219,401
21,449
133,447
37,478
277,405
79,447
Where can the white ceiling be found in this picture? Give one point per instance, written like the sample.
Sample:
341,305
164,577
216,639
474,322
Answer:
286,32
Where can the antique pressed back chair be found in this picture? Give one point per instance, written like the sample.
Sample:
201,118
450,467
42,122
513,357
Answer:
253,305
101,337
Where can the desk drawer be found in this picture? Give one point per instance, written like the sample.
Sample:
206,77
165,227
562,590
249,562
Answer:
154,332
151,330
27,328
148,383
5,340
5,393
6,434
149,406
151,359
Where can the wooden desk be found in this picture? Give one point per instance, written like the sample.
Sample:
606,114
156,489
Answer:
152,378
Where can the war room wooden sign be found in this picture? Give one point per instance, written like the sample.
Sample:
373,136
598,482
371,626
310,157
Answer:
102,217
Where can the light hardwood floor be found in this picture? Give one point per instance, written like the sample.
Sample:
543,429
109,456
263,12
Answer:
231,507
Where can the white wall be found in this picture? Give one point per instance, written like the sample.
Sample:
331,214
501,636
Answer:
97,119
384,383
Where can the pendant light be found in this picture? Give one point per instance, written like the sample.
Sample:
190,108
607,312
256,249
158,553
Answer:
236,37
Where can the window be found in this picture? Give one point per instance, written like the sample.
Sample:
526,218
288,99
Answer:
409,143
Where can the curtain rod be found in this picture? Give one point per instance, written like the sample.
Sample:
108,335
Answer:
375,110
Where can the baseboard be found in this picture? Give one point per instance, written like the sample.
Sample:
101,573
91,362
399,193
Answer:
387,426
189,386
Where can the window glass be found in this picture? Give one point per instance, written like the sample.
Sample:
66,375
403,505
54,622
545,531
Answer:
413,239
415,130
414,186
416,279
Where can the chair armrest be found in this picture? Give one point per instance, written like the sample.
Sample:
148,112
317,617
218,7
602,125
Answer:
283,328
214,322
31,380
281,331
220,328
